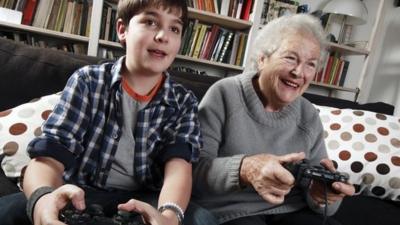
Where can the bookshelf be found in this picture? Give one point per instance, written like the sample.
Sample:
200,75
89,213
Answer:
95,44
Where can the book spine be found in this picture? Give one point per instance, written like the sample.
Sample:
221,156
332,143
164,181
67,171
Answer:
344,73
29,12
225,46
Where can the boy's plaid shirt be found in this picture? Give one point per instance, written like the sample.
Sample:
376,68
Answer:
85,126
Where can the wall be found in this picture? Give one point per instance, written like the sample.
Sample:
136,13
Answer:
383,79
382,76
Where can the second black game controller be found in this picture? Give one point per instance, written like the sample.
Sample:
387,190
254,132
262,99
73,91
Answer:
303,172
93,215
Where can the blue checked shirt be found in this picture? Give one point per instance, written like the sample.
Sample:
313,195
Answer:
85,126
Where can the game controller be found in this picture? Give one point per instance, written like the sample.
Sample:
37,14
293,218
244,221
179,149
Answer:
93,215
303,172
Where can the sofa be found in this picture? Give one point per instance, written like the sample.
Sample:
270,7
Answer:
30,77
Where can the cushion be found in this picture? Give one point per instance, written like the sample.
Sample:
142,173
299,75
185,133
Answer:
366,145
18,126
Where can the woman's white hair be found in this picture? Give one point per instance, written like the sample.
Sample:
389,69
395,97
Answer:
271,35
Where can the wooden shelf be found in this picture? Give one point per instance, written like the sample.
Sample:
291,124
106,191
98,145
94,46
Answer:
335,87
110,44
210,63
45,32
347,50
225,21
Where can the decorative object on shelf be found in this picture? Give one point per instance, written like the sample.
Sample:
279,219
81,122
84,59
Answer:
353,12
10,16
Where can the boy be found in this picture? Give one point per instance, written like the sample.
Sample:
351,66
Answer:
120,128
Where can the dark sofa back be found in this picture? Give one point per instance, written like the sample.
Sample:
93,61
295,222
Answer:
30,72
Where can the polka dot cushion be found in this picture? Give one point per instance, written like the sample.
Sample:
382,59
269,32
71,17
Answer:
18,126
365,145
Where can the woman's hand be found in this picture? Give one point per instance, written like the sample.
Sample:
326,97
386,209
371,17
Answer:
336,192
267,175
47,207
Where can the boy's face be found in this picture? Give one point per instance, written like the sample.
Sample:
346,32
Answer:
152,39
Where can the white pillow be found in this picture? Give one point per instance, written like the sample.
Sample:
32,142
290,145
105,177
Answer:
366,145
18,126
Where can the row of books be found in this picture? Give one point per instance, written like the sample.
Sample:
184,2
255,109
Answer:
276,8
239,9
69,16
108,30
107,53
32,40
215,43
334,71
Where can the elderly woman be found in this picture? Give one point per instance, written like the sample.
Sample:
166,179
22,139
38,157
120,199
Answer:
256,122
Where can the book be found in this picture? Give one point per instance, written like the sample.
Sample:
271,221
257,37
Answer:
195,35
67,27
210,44
225,46
89,19
224,7
344,72
235,45
20,5
42,11
239,9
84,17
186,37
245,15
241,49
107,25
328,70
61,15
76,21
219,44
334,68
205,42
338,72
51,23
199,41
29,12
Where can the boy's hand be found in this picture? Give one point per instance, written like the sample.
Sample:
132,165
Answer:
48,206
149,214
337,192
267,175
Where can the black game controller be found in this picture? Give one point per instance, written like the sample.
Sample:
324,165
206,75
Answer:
93,215
303,172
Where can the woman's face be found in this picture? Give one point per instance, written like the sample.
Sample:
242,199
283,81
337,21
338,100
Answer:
287,72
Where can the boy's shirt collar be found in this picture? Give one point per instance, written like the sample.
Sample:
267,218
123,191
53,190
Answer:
164,93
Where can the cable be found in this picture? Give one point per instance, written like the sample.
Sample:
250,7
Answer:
325,202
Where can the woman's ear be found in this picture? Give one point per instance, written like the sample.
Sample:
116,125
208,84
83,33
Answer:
260,62
121,31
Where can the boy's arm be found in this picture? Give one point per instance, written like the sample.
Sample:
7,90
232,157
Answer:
177,186
45,173
42,171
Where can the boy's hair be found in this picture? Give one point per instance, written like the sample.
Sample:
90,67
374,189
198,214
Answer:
129,8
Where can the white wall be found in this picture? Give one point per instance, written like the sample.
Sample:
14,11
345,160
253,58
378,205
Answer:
383,78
